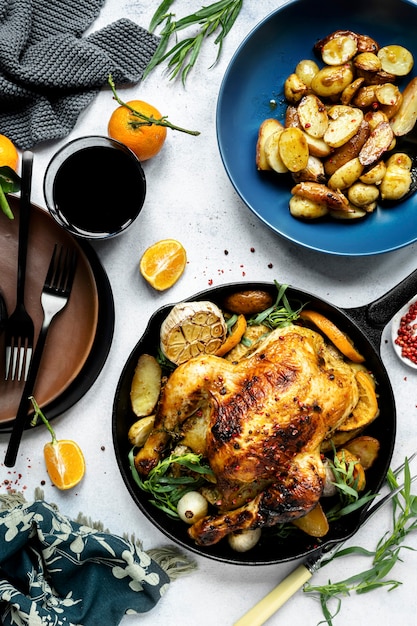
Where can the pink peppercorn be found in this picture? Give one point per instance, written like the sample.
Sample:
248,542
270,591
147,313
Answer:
407,334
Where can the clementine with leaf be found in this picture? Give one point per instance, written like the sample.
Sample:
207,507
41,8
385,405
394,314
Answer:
64,459
142,136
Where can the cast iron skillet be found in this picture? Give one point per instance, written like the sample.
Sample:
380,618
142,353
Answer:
364,325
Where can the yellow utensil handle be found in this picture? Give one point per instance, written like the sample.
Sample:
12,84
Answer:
275,598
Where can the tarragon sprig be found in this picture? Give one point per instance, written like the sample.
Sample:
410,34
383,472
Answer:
166,488
218,17
384,557
279,314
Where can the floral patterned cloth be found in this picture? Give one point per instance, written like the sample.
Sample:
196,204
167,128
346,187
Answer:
55,572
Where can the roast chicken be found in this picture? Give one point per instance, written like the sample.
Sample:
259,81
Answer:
259,422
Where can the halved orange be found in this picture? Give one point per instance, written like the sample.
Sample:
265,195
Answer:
367,408
234,337
332,332
163,263
64,462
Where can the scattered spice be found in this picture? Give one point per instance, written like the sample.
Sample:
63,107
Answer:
407,334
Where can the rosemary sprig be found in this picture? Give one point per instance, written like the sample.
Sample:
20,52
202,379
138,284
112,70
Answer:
145,120
166,489
279,314
384,557
218,17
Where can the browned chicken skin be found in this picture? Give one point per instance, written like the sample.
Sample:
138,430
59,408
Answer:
259,423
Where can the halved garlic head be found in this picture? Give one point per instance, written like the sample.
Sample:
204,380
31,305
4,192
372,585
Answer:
192,328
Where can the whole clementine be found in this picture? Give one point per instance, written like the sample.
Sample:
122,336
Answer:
139,134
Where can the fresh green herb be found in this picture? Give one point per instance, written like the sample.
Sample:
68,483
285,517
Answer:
384,557
145,120
347,487
167,488
279,314
9,183
218,17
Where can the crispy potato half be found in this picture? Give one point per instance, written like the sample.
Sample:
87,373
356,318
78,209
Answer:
146,385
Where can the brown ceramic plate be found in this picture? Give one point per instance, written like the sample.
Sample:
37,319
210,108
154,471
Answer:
71,336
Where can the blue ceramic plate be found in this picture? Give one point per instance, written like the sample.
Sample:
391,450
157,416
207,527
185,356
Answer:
256,76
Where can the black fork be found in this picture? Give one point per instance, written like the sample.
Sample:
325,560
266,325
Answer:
55,295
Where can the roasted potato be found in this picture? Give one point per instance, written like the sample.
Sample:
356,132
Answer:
313,116
248,302
293,149
306,208
146,385
344,123
330,81
396,60
267,128
405,118
361,195
341,122
378,142
397,179
346,175
306,70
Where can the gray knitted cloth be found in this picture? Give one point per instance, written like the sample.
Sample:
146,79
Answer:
49,72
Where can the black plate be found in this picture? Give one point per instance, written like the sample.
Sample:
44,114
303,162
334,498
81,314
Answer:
270,549
100,347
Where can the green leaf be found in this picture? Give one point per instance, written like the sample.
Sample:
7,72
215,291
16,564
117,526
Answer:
9,183
160,14
218,16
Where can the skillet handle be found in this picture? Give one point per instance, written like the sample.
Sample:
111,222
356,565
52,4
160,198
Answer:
276,598
381,311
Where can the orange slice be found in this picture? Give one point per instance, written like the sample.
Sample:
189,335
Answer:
163,263
315,523
367,408
235,336
332,332
64,462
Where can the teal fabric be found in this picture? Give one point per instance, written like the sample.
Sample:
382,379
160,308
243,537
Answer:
56,572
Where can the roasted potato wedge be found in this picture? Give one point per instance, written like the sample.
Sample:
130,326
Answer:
321,194
146,385
396,60
294,88
397,179
267,128
344,123
140,430
339,49
313,116
405,118
248,302
362,195
346,175
378,142
366,448
330,81
293,149
306,69
272,153
306,208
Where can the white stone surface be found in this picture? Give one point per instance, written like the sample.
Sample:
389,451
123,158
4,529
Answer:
190,198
